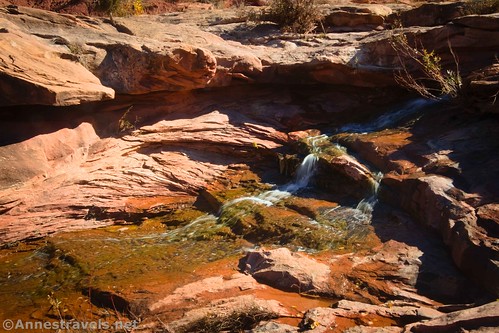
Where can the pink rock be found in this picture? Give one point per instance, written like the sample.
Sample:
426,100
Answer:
483,318
286,270
33,72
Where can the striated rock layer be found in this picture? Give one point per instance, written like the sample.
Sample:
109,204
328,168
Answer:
142,54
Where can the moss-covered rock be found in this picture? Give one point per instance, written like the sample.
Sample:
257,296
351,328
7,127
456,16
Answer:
279,225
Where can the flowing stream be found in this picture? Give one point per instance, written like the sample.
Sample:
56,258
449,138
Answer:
123,255
360,213
390,119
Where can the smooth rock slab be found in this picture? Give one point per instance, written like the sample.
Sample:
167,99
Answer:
213,284
273,327
483,318
323,319
34,72
286,270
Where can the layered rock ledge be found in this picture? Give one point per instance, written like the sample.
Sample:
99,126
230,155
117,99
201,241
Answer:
144,54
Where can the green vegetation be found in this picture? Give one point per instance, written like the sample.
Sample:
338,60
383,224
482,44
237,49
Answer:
122,7
435,81
299,16
125,125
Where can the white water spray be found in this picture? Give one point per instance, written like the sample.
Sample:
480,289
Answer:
304,173
389,119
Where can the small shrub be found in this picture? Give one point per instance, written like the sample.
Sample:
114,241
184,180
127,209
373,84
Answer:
436,81
124,123
75,48
233,322
481,7
122,7
300,16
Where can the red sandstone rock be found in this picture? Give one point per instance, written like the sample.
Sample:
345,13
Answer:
324,319
286,270
33,72
344,175
215,284
274,327
222,311
72,179
483,318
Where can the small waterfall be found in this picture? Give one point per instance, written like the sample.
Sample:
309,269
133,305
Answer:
331,219
304,173
257,200
389,119
366,206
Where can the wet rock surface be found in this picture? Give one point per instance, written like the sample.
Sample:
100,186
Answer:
137,158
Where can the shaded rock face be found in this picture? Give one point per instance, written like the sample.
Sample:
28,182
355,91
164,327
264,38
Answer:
480,89
391,271
431,176
462,33
457,222
431,14
345,174
480,319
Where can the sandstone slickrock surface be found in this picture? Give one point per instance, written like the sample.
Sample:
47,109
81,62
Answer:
122,62
209,285
285,270
269,326
33,72
325,319
220,314
357,18
135,55
75,176
484,318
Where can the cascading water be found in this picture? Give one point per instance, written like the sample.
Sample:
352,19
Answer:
268,198
353,216
304,173
389,119
366,206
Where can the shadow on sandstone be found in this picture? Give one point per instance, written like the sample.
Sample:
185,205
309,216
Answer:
438,278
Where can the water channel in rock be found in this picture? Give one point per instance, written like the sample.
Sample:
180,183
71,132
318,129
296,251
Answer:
68,268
